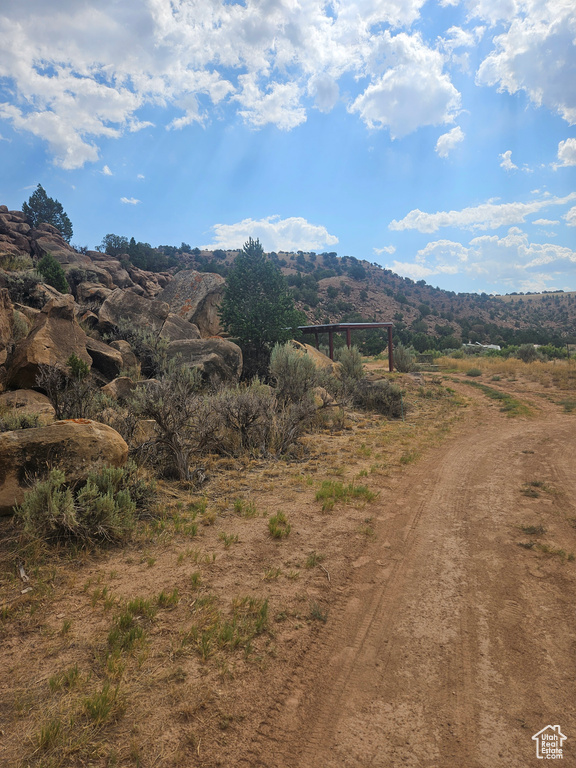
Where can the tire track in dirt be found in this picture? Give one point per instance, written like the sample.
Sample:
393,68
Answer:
439,655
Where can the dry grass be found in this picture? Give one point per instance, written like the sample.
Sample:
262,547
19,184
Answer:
560,374
148,654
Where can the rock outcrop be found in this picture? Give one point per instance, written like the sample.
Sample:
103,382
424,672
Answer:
29,402
195,296
145,314
217,359
55,336
77,446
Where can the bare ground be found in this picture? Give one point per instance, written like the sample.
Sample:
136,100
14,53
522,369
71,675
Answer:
427,636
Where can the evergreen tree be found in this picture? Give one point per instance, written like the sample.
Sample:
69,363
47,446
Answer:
257,308
41,209
53,274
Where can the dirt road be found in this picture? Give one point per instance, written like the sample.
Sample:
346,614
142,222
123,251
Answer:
452,645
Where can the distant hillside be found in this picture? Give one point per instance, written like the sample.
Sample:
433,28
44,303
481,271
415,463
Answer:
329,288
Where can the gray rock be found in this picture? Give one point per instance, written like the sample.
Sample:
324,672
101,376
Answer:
195,296
218,359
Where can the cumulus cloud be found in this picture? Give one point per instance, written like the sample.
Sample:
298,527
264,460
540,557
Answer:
448,141
275,234
385,249
566,153
130,200
82,72
106,171
570,217
511,262
415,91
536,53
489,215
507,163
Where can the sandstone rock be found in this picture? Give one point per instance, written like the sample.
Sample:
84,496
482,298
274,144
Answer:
88,293
55,336
77,446
176,328
88,319
144,313
216,358
46,239
30,402
129,359
105,359
196,296
119,388
320,360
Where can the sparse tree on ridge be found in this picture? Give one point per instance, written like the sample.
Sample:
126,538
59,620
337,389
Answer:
41,209
257,309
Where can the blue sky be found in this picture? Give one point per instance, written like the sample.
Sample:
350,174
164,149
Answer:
437,139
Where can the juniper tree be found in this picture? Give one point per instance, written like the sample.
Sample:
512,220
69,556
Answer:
41,209
257,308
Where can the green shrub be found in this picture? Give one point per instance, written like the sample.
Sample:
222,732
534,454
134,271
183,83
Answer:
474,372
13,420
404,360
100,511
52,273
527,353
293,373
379,397
351,361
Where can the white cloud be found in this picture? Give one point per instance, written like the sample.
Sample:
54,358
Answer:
570,217
275,234
280,105
448,141
489,215
545,222
566,153
81,72
386,249
130,200
511,262
106,171
536,53
413,92
140,176
507,163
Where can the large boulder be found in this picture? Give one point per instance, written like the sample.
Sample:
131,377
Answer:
196,296
176,328
47,239
129,359
105,359
92,293
55,336
77,446
29,402
217,359
146,314
119,389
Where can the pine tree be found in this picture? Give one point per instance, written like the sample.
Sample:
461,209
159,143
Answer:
41,209
257,308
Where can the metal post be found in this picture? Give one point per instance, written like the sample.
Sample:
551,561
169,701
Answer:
390,352
348,337
331,344
317,340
